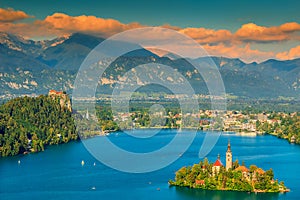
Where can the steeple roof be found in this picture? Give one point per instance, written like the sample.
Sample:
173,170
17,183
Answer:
228,146
218,162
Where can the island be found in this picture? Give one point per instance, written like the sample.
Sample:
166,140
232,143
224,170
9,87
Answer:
231,177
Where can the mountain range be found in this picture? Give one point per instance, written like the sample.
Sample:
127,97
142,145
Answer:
34,67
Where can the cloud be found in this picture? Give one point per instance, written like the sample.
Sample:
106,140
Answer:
60,24
237,44
88,24
204,36
31,30
245,53
254,33
289,55
290,27
11,15
247,33
176,28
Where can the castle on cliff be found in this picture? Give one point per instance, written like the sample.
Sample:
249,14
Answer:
64,99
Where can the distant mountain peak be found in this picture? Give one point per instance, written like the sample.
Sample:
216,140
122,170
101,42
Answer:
52,43
62,56
13,42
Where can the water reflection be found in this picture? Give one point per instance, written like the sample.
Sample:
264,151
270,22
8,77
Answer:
187,193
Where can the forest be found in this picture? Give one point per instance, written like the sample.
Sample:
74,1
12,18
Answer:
29,124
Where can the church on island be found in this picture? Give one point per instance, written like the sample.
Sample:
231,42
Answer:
217,165
232,176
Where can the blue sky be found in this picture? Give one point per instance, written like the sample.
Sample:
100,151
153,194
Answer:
210,14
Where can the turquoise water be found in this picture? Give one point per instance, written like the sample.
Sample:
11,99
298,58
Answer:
57,172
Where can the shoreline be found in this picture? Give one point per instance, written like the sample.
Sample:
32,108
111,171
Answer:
242,134
228,190
108,132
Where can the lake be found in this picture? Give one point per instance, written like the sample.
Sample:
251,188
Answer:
57,172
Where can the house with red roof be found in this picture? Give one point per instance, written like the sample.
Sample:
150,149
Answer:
200,182
244,170
217,165
256,173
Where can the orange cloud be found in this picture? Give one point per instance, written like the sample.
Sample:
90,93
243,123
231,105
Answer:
176,28
203,36
247,33
11,15
289,55
254,33
88,24
245,53
60,24
31,30
290,27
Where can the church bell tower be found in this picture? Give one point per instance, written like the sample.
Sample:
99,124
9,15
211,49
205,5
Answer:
228,156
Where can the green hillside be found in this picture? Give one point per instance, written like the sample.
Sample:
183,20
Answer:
29,124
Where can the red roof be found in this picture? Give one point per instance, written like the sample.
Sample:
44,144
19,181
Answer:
242,168
200,182
218,163
56,92
260,171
